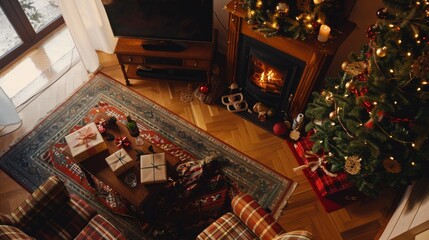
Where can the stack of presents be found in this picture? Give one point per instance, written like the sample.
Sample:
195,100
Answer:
88,141
333,189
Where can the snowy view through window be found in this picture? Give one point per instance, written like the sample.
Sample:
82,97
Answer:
39,12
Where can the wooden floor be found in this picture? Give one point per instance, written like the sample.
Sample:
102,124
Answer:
361,220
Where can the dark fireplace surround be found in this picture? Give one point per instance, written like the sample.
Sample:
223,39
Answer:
288,70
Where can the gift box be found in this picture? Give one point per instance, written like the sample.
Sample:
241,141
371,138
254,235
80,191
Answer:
119,162
85,142
153,168
335,187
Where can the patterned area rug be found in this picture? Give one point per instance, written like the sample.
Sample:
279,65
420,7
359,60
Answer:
38,155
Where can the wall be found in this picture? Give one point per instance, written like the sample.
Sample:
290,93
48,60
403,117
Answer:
363,14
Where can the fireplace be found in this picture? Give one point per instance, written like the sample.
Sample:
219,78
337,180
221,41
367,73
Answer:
298,67
268,77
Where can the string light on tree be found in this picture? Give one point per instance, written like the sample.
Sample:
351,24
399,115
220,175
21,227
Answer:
384,95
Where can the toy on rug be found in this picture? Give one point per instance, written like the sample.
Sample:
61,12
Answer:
234,101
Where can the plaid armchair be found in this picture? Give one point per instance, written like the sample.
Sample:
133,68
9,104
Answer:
52,213
248,220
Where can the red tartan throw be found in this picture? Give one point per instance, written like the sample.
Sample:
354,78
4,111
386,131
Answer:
190,172
325,184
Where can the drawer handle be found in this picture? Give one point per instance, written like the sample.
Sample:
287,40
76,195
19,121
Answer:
130,59
195,64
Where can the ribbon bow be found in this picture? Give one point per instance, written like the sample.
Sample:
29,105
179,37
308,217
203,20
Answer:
314,165
119,159
122,142
85,138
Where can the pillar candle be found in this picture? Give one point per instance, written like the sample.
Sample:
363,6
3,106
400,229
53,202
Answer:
317,1
324,33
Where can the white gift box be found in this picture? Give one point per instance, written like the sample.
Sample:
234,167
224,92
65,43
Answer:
119,162
85,142
153,168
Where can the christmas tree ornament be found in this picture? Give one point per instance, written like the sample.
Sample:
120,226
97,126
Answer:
381,52
371,32
204,88
382,13
420,66
329,98
344,65
350,85
352,165
392,165
294,135
332,115
282,10
279,128
356,68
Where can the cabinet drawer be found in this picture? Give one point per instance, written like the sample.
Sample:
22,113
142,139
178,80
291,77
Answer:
130,59
195,63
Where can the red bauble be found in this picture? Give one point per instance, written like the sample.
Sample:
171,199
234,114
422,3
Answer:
370,32
279,128
204,89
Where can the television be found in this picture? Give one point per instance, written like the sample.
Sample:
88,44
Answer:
163,24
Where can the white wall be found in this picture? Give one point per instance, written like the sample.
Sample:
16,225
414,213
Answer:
363,14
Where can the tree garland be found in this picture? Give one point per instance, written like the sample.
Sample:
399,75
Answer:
299,20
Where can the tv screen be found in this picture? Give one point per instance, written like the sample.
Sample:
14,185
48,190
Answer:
186,20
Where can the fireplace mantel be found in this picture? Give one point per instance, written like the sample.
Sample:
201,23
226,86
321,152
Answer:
316,55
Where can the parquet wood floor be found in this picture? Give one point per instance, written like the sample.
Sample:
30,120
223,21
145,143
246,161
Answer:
361,220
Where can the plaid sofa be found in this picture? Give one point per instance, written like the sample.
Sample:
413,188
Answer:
52,213
248,220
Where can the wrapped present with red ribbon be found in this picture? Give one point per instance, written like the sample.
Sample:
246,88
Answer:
315,167
119,162
85,142
190,172
122,142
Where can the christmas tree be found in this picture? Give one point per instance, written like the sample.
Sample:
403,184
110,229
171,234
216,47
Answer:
372,121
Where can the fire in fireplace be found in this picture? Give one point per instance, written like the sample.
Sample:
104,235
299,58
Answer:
269,78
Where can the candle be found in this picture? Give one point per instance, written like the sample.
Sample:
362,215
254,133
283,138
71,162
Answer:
317,1
324,33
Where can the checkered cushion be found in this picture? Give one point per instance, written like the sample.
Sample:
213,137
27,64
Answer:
52,213
42,205
78,213
99,228
227,227
295,235
9,232
255,217
6,219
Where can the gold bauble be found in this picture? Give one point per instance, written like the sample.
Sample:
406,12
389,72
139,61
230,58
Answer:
344,65
332,115
271,112
324,93
381,52
350,85
329,98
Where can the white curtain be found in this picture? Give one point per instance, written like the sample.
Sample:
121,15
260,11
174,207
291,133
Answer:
88,25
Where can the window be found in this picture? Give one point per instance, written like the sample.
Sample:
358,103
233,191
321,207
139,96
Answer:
23,24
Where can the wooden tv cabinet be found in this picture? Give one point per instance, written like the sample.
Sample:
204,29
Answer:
192,64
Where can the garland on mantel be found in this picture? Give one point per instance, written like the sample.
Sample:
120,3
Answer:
292,19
